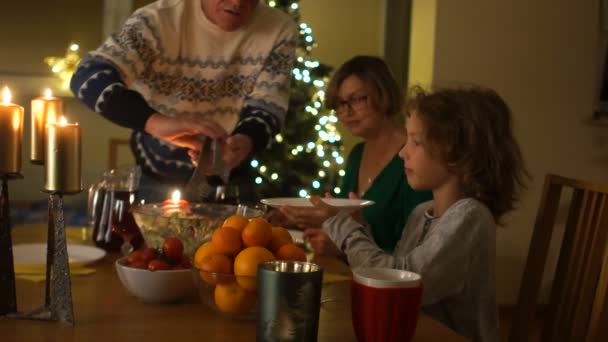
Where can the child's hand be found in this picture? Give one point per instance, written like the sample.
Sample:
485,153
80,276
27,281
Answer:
310,217
321,243
277,218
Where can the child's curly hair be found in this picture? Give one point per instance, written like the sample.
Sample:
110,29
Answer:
470,129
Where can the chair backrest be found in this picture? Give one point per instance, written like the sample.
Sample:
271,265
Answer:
578,305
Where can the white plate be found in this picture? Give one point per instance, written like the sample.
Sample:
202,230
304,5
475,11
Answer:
341,203
34,254
296,235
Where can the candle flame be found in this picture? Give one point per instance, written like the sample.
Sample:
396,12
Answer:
176,196
48,93
63,121
6,96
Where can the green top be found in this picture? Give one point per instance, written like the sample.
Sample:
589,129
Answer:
394,198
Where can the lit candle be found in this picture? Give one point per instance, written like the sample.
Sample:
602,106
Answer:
62,157
45,109
175,204
11,133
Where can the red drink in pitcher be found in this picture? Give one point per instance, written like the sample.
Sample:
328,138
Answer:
110,202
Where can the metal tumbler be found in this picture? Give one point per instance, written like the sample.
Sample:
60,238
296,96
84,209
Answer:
289,299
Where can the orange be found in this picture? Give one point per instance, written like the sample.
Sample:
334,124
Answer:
257,232
280,236
220,265
202,251
237,222
291,252
233,299
226,241
246,266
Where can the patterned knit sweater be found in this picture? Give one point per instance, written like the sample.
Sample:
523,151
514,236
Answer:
170,59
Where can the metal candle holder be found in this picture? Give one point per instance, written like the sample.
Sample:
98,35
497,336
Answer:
8,294
58,287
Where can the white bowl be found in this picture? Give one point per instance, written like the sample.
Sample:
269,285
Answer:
155,286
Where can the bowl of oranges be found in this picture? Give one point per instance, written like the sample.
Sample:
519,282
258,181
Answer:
225,267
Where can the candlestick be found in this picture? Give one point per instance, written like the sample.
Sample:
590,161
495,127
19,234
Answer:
45,109
58,287
62,158
11,133
8,294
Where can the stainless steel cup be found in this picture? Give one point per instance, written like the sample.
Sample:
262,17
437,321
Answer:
289,299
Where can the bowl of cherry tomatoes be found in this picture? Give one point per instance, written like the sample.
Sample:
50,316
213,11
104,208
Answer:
157,275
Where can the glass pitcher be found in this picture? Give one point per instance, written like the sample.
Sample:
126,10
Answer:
109,208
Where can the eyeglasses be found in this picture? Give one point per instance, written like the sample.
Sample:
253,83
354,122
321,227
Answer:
355,104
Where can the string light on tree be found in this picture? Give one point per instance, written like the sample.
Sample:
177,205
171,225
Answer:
310,142
63,67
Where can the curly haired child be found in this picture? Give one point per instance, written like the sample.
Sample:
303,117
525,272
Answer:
460,145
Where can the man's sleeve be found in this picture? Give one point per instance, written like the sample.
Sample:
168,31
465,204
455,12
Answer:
101,78
265,109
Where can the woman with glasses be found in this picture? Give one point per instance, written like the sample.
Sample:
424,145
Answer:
369,103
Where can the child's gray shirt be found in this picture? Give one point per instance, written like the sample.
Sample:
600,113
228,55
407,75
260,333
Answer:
454,253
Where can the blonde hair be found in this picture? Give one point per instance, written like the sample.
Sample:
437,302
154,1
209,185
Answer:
470,129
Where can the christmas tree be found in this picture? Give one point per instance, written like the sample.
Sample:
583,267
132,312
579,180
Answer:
306,157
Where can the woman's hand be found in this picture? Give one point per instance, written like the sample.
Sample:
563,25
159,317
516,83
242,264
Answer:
357,215
183,132
310,217
321,243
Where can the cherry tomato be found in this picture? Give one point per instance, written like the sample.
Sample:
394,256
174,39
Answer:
148,254
135,256
184,263
173,249
138,264
158,265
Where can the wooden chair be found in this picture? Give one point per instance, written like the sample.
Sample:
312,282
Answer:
578,306
115,143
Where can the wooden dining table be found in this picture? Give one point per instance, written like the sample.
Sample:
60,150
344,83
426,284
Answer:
105,311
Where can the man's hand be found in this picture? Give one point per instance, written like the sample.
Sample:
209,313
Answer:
236,149
183,132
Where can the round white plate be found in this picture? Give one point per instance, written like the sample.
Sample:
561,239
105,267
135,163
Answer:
35,254
296,235
341,203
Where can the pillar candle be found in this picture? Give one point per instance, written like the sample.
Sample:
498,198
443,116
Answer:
11,134
62,157
45,109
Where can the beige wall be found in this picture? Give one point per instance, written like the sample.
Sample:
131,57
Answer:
344,28
543,58
29,38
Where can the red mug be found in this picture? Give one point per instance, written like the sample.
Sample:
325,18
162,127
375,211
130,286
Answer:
385,304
